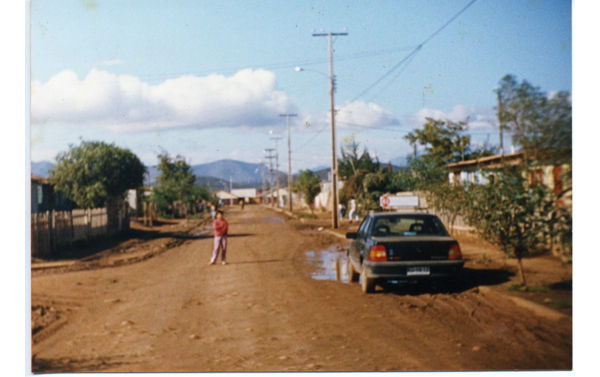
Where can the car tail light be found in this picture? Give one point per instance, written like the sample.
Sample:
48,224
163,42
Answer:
378,254
455,252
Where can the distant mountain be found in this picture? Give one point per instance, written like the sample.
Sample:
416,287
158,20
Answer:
399,161
217,174
41,169
320,167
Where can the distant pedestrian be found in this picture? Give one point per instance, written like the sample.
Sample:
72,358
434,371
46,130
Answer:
352,210
242,202
220,231
341,210
213,211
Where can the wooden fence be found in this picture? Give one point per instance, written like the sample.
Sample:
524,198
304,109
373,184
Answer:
53,231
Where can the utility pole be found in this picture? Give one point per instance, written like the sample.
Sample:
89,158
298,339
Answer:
334,209
289,158
270,157
262,180
500,122
230,189
277,138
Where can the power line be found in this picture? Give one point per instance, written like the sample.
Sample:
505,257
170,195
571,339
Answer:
291,64
414,51
393,78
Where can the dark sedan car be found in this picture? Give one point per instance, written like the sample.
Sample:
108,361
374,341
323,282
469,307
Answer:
401,246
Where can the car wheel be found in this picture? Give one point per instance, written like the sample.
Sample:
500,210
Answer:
352,274
367,283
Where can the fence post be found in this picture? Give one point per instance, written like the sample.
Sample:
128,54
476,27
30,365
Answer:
88,220
51,230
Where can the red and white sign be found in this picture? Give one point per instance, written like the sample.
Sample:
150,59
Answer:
399,201
385,201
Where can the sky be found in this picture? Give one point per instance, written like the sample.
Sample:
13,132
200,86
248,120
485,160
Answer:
209,80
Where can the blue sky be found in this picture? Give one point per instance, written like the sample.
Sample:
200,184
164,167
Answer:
207,80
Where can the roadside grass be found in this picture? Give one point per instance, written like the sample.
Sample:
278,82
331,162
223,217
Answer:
304,215
520,288
560,304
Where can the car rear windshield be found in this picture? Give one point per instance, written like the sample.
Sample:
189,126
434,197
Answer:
406,225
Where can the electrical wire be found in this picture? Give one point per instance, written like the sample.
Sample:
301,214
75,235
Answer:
290,64
415,50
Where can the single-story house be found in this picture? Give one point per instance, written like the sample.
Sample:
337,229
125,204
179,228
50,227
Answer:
45,198
226,197
249,195
471,171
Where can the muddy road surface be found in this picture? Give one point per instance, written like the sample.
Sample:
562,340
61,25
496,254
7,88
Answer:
266,311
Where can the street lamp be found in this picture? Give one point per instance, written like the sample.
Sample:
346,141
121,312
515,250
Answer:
334,209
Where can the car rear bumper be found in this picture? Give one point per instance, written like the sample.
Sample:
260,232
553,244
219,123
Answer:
398,270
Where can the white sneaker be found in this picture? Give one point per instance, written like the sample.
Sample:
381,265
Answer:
223,263
212,261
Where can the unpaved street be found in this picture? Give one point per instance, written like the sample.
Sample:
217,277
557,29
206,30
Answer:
264,312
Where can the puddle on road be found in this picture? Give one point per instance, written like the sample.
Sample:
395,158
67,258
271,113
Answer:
273,220
331,264
206,230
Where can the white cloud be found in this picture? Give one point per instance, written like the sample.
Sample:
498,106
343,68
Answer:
112,62
355,115
479,118
125,103
368,115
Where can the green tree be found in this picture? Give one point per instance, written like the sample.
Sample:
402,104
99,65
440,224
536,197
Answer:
308,184
541,123
174,183
95,172
510,212
444,141
350,161
403,180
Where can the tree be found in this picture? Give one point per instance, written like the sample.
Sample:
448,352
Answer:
95,172
175,182
510,212
350,162
308,184
541,123
444,141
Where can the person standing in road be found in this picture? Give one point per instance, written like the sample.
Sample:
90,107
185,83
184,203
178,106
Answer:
352,209
213,211
220,228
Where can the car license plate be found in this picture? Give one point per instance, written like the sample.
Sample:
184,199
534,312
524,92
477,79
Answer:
411,271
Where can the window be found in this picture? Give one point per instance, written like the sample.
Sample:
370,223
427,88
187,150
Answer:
407,225
362,230
536,177
558,186
40,194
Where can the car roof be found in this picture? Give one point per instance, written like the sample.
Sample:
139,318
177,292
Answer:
400,213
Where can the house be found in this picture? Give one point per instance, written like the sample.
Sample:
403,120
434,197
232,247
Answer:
44,198
470,171
226,197
551,176
249,195
325,197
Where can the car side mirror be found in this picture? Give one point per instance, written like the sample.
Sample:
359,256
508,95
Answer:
351,235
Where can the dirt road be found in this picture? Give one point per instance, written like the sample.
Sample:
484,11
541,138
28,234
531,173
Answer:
264,312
